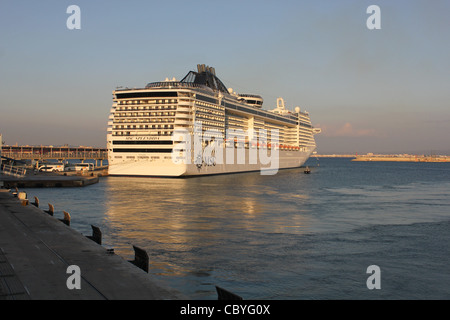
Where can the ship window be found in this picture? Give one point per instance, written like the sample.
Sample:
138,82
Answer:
130,95
143,150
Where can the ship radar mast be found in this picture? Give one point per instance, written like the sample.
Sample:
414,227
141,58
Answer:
281,108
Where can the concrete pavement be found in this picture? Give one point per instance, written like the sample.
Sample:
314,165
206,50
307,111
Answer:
36,250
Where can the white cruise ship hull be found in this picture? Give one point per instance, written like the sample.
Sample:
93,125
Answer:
167,168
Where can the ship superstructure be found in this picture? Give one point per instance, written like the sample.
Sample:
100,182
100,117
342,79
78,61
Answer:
197,126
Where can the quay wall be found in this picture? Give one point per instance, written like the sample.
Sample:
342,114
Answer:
38,253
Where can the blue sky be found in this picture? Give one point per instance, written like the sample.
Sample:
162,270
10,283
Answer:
369,90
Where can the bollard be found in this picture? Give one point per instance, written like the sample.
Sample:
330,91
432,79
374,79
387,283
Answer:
36,202
66,219
22,196
50,210
223,294
140,259
96,235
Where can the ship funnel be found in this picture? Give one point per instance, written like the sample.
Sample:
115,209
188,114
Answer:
204,68
201,68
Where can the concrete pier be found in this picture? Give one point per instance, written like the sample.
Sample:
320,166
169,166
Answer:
36,251
48,181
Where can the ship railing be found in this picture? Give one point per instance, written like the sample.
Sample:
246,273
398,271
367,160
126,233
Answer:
57,155
19,172
172,84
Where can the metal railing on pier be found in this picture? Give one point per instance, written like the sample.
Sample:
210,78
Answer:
19,172
48,152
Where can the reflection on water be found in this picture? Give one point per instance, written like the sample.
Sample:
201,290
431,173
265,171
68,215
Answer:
197,231
180,215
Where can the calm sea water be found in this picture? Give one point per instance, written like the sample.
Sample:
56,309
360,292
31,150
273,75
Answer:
287,236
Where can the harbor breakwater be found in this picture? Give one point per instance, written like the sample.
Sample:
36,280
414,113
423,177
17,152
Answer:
406,158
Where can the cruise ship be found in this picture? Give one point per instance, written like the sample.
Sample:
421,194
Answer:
198,126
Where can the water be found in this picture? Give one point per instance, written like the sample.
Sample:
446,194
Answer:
288,236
